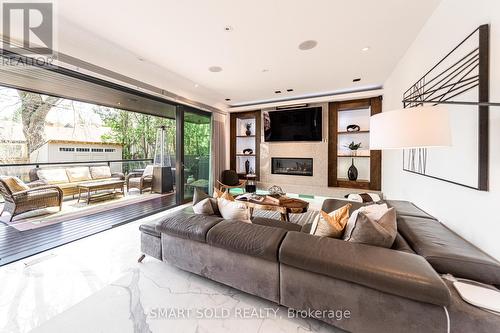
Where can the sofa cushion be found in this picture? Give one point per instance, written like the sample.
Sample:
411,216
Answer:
363,229
100,172
400,244
14,184
251,239
199,195
386,270
331,224
447,252
406,208
236,210
276,223
188,226
78,174
204,207
53,176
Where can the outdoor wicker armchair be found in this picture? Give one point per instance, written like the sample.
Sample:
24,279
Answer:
38,196
140,180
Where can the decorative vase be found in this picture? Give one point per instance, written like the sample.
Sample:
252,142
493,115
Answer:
352,173
248,132
247,167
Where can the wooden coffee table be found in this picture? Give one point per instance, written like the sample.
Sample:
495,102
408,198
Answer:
292,205
109,187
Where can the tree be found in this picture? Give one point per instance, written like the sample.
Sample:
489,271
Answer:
34,109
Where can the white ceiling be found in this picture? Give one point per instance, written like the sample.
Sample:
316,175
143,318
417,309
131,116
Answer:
182,39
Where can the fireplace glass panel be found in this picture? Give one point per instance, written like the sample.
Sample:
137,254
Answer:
292,166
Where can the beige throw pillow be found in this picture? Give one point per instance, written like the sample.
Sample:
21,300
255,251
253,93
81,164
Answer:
53,176
331,224
100,172
78,174
15,184
233,210
204,207
362,229
222,194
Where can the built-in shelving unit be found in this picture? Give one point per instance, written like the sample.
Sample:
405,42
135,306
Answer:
241,140
340,157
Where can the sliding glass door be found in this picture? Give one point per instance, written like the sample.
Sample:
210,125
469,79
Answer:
196,137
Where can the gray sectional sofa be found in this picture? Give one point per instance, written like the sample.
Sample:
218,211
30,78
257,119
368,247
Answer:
385,290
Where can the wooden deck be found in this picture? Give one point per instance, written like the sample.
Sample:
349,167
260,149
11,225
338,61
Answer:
16,245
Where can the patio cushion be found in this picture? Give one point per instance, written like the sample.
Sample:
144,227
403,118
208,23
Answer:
148,171
15,184
100,172
53,176
78,174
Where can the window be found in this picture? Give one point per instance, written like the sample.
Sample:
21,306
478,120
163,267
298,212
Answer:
109,150
83,149
65,149
97,150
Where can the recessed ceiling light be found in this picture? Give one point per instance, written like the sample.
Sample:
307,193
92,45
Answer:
119,103
277,91
364,49
307,45
228,99
228,28
289,90
356,79
196,85
265,70
215,69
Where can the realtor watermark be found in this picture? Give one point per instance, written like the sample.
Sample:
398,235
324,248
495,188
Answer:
28,32
220,313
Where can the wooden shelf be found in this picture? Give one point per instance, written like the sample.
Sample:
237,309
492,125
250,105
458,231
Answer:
357,156
359,184
353,132
245,136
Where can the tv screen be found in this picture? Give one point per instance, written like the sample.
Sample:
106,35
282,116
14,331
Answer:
293,125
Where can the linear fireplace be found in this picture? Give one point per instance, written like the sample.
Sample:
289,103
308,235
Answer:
292,166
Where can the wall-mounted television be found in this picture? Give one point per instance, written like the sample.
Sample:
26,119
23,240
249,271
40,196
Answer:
293,125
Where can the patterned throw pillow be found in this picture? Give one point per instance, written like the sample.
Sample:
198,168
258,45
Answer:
15,184
204,207
199,196
233,210
331,224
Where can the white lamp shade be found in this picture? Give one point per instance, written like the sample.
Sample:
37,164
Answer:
418,127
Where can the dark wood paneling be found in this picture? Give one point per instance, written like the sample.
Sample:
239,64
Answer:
232,135
359,184
484,96
232,142
376,155
16,245
354,104
332,143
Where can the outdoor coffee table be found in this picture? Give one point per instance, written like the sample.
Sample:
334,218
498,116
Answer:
107,188
290,206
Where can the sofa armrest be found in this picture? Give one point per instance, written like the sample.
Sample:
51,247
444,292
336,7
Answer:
386,270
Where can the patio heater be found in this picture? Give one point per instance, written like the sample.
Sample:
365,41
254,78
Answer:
162,169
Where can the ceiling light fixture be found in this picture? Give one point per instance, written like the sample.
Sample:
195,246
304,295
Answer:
277,91
366,48
292,106
228,28
289,90
215,69
307,45
356,79
228,99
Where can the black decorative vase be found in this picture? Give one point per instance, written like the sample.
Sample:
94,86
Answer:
248,132
352,173
247,167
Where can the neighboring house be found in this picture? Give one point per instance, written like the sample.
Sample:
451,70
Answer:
76,151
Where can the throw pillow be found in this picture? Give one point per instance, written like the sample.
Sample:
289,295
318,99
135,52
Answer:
100,172
374,212
331,224
78,174
222,194
15,184
233,210
204,207
363,197
199,196
53,176
367,231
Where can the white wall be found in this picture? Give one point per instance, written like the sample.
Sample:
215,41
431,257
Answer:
470,213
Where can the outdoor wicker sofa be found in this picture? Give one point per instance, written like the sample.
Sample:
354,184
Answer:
36,195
